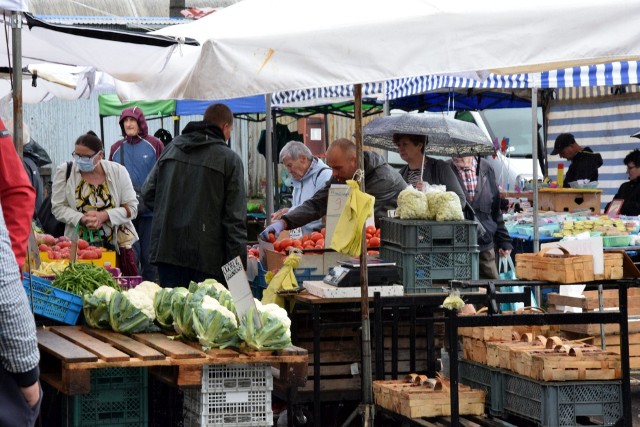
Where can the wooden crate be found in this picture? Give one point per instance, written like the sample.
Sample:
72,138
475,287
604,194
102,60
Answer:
569,199
576,365
415,400
499,353
565,268
521,358
612,267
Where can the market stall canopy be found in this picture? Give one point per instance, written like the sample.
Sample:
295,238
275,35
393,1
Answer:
14,5
446,136
246,52
102,50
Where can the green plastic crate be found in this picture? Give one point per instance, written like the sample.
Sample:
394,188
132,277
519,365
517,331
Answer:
422,234
118,397
428,271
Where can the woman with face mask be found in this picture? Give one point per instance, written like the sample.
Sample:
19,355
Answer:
94,195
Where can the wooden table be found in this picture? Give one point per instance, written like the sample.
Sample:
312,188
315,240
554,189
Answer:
68,353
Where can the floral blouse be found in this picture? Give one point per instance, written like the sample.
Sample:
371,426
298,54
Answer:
91,197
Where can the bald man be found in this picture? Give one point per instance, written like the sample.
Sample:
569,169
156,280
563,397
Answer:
380,180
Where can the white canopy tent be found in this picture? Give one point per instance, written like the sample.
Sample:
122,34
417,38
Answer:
258,46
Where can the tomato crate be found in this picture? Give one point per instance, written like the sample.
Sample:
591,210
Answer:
51,302
427,271
422,234
118,397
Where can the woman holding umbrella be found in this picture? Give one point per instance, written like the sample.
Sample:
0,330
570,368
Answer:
421,168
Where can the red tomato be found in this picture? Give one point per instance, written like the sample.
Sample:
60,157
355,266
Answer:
272,237
320,243
374,242
371,229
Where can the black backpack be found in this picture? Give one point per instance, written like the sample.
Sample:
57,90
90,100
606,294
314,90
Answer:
49,223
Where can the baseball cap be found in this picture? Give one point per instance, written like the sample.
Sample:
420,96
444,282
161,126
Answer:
562,141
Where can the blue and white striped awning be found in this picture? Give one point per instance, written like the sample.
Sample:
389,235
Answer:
609,74
326,95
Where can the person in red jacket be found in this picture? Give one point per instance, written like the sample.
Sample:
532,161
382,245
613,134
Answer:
17,196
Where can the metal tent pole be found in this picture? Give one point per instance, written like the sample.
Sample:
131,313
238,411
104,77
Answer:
366,407
269,158
16,45
534,159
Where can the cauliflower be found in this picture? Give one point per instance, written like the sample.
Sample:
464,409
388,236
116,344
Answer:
277,311
214,325
449,208
105,292
149,288
142,300
412,204
273,334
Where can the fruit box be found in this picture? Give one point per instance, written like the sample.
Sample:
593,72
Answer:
318,263
107,256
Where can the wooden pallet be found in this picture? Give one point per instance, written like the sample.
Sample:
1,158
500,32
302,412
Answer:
68,353
428,399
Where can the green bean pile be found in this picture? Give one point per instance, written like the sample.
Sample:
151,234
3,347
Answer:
81,278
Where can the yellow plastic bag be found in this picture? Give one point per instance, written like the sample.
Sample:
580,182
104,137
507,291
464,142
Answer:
347,237
284,279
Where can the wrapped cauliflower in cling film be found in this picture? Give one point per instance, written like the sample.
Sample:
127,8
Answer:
412,204
434,198
449,207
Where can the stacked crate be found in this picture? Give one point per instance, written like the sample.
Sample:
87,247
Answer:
430,253
118,397
233,395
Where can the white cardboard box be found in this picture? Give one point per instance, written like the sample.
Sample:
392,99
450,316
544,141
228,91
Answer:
324,290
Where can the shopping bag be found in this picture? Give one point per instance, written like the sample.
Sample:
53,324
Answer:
507,271
347,237
284,279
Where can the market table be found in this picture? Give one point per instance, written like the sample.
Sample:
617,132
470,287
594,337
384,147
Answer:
69,353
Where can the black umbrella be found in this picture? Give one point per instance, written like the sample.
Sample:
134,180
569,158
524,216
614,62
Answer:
445,136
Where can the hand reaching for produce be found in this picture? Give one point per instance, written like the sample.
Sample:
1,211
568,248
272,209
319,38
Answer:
276,228
278,214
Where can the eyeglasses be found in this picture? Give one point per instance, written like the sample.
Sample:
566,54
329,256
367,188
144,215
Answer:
77,156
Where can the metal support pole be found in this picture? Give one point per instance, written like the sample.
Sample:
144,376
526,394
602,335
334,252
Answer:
16,78
268,146
627,415
534,159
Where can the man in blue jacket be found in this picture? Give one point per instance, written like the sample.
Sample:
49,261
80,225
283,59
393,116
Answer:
309,174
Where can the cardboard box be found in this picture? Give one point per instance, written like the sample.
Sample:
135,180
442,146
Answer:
107,256
318,262
569,200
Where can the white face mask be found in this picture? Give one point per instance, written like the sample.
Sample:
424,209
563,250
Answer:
85,164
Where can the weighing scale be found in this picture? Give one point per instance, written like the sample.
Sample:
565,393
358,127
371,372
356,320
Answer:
347,274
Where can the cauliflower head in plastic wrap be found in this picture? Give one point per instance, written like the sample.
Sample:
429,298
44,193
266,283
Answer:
412,204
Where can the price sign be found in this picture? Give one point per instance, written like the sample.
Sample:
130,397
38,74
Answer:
238,285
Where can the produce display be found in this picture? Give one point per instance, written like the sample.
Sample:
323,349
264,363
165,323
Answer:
81,279
59,247
204,312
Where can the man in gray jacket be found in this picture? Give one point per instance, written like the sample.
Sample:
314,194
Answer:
196,191
478,179
380,180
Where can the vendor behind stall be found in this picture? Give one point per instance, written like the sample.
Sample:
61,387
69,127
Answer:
309,174
380,180
584,162
630,191
421,168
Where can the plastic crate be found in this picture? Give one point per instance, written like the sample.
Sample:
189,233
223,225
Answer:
166,404
118,397
419,270
259,284
237,377
552,404
486,378
128,282
420,234
615,241
303,274
51,302
229,409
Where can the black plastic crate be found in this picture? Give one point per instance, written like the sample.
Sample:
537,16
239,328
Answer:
486,378
422,234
